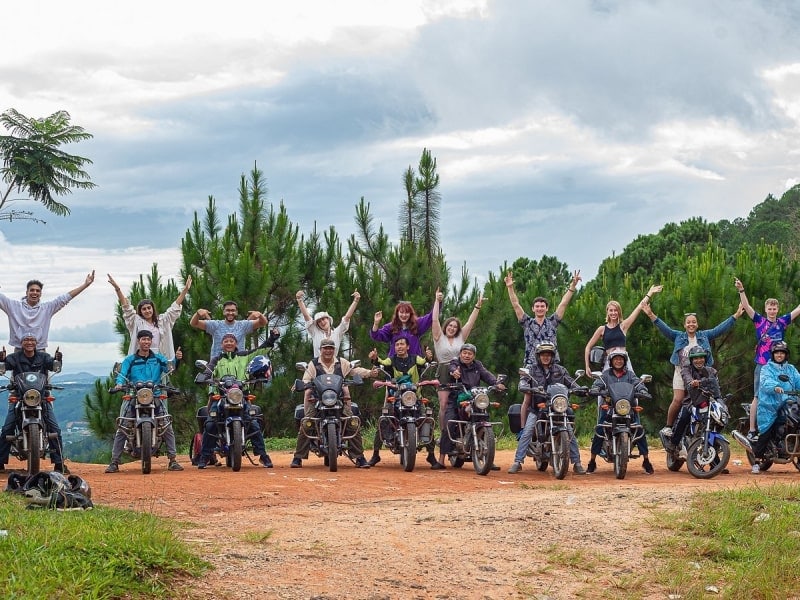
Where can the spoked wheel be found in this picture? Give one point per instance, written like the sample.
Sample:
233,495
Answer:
237,442
333,447
561,454
709,461
483,450
621,457
34,448
147,447
408,453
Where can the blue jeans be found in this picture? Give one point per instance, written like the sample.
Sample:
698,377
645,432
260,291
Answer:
527,436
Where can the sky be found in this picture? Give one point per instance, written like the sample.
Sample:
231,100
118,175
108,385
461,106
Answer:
564,129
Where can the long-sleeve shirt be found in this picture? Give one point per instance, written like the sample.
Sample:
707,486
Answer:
385,334
24,318
703,336
136,368
162,333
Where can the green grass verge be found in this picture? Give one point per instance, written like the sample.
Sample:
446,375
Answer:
98,554
744,543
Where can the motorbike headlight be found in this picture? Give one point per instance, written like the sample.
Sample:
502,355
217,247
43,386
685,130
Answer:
559,404
329,398
623,407
482,401
235,396
408,399
144,396
32,398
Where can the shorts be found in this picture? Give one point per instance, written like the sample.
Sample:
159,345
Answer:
677,380
756,379
443,373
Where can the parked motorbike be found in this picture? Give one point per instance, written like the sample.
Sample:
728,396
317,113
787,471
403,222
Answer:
707,450
28,392
228,405
555,424
473,433
331,428
406,422
785,446
145,430
619,430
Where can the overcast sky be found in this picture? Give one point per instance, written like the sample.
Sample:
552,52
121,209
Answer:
559,128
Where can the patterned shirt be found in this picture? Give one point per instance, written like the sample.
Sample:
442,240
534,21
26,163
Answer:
535,334
768,332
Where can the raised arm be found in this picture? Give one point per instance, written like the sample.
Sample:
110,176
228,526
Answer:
352,308
473,316
565,299
591,344
182,296
302,305
83,286
258,318
626,324
198,320
436,326
122,299
512,295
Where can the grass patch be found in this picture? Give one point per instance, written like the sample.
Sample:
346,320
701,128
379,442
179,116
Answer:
258,537
97,554
726,540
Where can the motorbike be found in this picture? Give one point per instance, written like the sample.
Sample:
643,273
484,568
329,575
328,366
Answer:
406,422
145,430
227,408
707,449
473,433
785,446
28,392
619,431
331,428
555,425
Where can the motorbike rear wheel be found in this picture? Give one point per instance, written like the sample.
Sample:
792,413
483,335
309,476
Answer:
333,447
34,448
708,464
483,450
408,453
621,457
146,433
237,443
560,454
195,448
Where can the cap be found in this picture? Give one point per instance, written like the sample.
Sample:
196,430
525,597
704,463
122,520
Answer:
28,334
321,315
327,343
470,347
144,333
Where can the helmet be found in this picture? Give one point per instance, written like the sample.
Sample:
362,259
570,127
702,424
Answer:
545,347
697,352
260,368
779,346
614,353
79,485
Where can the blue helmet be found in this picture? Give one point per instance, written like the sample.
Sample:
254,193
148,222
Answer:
260,368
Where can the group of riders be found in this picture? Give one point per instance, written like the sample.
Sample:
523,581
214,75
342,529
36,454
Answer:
152,355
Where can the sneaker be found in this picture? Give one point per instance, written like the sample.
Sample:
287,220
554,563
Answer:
578,469
515,468
648,466
61,468
752,436
591,467
666,432
431,459
362,463
494,468
755,470
682,453
265,461
437,466
174,465
296,463
202,462
376,458
112,468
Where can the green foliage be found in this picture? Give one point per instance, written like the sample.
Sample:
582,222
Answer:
102,553
35,164
102,409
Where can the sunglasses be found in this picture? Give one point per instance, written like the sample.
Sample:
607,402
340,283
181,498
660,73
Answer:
689,314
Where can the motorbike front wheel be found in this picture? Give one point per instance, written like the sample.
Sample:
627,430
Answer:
146,433
483,450
621,457
408,453
708,462
235,451
333,447
560,454
34,448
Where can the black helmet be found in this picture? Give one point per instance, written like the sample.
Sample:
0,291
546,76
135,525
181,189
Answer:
545,347
779,346
697,352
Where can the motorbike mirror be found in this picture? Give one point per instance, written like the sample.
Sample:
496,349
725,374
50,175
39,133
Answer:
56,366
646,378
783,377
301,366
524,371
501,379
117,368
355,363
580,373
201,364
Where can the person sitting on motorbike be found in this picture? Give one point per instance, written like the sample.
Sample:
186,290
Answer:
772,399
618,372
143,366
469,372
26,360
402,363
697,378
328,363
544,372
233,362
